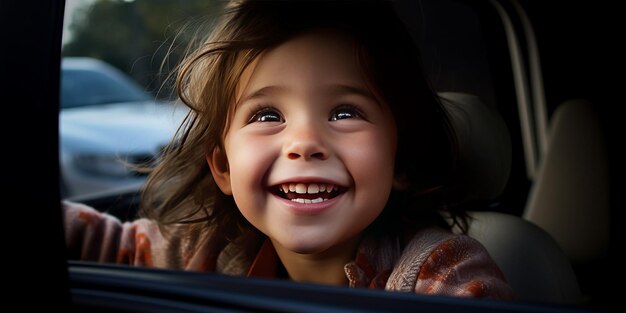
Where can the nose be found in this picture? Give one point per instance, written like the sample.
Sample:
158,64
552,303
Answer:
305,142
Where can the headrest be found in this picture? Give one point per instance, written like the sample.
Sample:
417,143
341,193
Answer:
484,160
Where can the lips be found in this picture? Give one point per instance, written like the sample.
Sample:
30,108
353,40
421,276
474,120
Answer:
307,193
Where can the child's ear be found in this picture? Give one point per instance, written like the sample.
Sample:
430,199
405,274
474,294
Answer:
218,163
400,182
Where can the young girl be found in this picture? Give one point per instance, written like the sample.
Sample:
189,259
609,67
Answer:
315,151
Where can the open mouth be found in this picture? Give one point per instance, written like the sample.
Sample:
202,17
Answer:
307,192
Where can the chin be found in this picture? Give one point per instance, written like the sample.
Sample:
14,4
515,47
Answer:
305,249
305,246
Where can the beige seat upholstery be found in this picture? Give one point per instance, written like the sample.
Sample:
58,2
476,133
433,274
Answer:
532,261
485,147
569,198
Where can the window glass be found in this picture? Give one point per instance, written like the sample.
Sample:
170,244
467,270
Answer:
117,104
91,87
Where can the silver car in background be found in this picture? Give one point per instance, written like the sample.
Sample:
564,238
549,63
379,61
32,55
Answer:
108,121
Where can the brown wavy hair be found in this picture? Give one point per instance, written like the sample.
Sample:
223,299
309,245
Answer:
181,189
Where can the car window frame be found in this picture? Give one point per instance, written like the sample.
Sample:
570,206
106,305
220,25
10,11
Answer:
31,72
42,240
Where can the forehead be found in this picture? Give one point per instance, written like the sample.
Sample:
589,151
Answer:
312,60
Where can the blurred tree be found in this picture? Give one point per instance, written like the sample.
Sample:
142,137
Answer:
137,36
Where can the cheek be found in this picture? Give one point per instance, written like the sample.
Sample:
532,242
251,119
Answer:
375,151
370,161
249,159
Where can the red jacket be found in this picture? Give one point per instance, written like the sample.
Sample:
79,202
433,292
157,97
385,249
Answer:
434,261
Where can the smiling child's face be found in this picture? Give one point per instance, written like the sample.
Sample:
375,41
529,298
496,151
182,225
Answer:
309,148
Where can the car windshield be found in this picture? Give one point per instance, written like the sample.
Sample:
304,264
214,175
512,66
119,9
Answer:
85,87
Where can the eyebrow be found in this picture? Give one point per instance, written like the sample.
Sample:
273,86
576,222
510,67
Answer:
262,92
341,89
334,89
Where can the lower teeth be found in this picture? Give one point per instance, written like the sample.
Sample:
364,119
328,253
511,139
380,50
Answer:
308,201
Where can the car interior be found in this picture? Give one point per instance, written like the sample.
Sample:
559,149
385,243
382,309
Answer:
535,171
539,185
522,250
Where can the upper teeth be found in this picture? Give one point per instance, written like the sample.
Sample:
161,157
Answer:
302,188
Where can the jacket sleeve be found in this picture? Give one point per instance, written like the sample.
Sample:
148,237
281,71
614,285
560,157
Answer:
94,236
438,262
461,266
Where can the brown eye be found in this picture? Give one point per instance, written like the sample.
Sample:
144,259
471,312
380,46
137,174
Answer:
266,115
344,112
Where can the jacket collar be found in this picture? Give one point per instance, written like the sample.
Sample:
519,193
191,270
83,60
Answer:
370,268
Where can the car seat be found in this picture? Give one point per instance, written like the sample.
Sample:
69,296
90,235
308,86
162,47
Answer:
569,197
531,260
